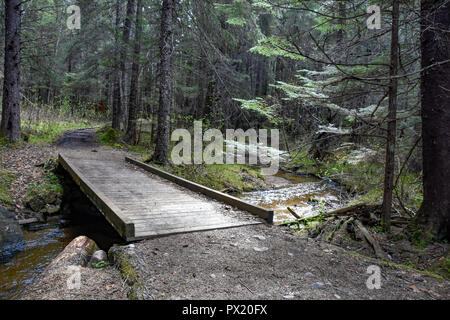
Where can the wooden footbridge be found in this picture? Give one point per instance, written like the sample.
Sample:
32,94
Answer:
141,201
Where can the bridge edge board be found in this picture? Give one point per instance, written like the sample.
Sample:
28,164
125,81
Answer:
123,225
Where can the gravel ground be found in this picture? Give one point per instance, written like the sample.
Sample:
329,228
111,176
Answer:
264,262
96,284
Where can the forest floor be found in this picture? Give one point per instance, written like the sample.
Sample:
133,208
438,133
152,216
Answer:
253,262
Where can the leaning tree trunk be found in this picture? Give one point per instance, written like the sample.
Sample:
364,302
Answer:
434,213
165,83
133,103
116,85
389,169
10,124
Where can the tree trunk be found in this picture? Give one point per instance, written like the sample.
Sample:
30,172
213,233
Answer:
116,85
127,27
10,124
133,103
435,89
389,170
165,83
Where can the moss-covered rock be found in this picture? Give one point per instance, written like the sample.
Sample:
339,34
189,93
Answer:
46,197
121,257
442,267
108,136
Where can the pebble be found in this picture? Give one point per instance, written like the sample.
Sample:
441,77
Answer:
309,275
259,237
262,249
347,292
290,254
99,256
337,296
318,285
289,296
213,275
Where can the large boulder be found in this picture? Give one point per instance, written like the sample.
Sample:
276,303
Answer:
11,236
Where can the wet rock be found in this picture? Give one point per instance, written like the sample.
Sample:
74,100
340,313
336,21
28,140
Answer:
11,236
98,256
308,275
318,285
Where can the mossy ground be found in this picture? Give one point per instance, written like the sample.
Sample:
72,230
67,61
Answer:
112,138
233,177
6,180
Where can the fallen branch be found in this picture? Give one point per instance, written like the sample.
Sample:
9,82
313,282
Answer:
346,210
375,245
28,221
294,213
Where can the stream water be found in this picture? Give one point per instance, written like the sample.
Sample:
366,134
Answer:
306,195
43,245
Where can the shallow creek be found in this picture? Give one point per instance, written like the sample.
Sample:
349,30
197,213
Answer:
41,246
305,194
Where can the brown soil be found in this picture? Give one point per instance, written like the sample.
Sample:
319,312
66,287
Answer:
25,162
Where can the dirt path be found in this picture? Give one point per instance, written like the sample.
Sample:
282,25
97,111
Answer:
78,139
263,262
251,262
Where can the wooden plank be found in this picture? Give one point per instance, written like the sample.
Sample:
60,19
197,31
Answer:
188,205
262,212
132,199
111,212
158,212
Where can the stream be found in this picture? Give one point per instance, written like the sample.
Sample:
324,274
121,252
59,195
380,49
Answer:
305,194
42,245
